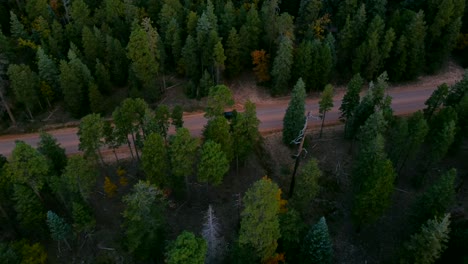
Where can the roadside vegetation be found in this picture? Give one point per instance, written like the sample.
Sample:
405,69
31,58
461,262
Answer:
379,189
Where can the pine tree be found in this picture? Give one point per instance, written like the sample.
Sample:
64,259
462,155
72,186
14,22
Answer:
435,101
325,104
182,154
351,99
218,130
318,247
228,19
90,133
212,236
426,246
187,248
17,28
303,63
249,34
294,118
245,131
213,163
59,229
415,35
79,177
48,70
24,81
293,230
29,210
191,61
143,221
162,116
437,199
55,154
154,160
260,228
219,98
177,116
95,99
219,58
27,166
307,186
282,64
233,53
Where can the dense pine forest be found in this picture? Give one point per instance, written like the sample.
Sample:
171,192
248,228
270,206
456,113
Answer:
378,189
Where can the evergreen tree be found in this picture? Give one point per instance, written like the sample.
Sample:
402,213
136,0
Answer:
426,246
260,228
154,160
177,116
90,133
282,64
351,99
294,118
17,28
55,154
293,230
325,104
24,81
219,98
415,35
59,229
79,177
437,199
29,210
213,163
103,81
245,131
250,33
219,58
182,154
218,130
191,63
27,166
95,99
228,19
116,61
303,63
143,221
161,116
318,247
307,186
436,100
187,248
48,70
233,53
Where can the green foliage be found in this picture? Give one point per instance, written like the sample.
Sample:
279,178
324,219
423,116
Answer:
250,33
48,70
59,229
29,210
143,51
90,133
103,81
317,246
191,62
28,166
24,82
95,99
55,154
307,186
204,86
406,139
351,99
219,98
437,199
441,141
292,230
79,177
260,227
426,246
83,220
282,65
435,101
177,116
182,155
373,178
233,53
16,27
143,220
154,160
187,248
30,253
294,118
161,117
218,130
219,59
245,131
8,255
213,163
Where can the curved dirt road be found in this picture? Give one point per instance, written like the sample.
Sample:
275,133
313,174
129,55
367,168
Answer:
406,99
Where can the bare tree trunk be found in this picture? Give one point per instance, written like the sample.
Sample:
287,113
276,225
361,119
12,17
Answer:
29,112
5,104
134,145
321,127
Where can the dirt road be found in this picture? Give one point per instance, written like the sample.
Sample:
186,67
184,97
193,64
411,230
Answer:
406,99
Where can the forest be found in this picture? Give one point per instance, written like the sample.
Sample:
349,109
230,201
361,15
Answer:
380,188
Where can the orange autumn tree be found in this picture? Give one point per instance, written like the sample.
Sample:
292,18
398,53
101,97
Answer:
261,60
